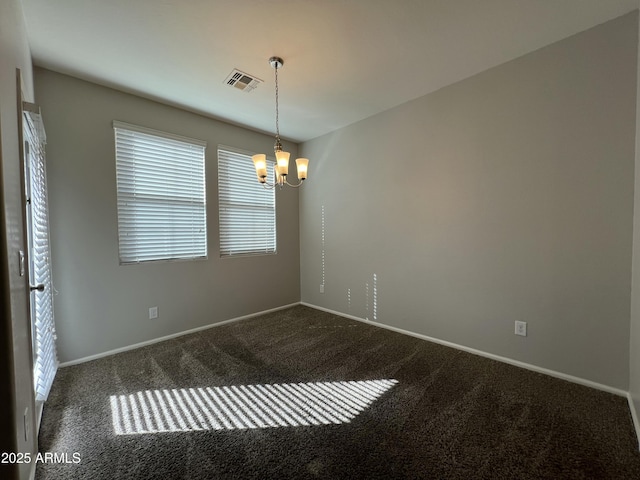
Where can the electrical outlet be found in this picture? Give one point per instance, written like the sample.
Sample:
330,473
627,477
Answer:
322,288
521,328
153,313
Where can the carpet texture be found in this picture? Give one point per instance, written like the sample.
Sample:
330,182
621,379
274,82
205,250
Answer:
240,388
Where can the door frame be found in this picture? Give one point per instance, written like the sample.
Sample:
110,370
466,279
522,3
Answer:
25,255
27,260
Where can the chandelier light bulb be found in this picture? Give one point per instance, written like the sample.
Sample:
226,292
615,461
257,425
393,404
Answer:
282,159
302,165
260,162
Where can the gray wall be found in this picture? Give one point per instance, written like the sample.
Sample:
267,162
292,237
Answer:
103,306
16,380
634,359
507,196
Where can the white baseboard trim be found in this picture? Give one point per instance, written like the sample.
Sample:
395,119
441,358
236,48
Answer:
517,363
169,337
634,416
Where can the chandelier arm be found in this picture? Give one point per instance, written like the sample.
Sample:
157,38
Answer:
296,185
269,186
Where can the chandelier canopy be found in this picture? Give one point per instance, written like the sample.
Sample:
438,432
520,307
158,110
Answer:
281,167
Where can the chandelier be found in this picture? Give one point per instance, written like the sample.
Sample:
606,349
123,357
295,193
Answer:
281,167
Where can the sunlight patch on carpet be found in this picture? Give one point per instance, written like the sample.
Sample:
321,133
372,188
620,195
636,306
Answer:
244,406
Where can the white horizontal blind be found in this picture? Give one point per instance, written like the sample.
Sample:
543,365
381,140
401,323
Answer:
161,195
247,208
44,331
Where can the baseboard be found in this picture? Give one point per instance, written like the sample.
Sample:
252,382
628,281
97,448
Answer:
510,361
169,337
634,416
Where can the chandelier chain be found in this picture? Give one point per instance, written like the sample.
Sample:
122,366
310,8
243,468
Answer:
277,115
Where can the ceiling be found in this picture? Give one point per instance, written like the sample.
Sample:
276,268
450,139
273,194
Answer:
345,60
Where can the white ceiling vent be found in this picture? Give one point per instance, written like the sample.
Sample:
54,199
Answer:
242,81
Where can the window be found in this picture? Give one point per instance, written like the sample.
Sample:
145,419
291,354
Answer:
247,208
161,195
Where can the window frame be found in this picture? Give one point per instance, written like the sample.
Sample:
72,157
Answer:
230,155
180,201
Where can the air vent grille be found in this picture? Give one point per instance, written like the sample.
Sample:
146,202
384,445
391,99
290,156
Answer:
242,81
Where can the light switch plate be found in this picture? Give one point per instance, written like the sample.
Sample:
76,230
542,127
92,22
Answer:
21,262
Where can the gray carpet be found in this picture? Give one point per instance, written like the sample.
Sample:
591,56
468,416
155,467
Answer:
292,395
